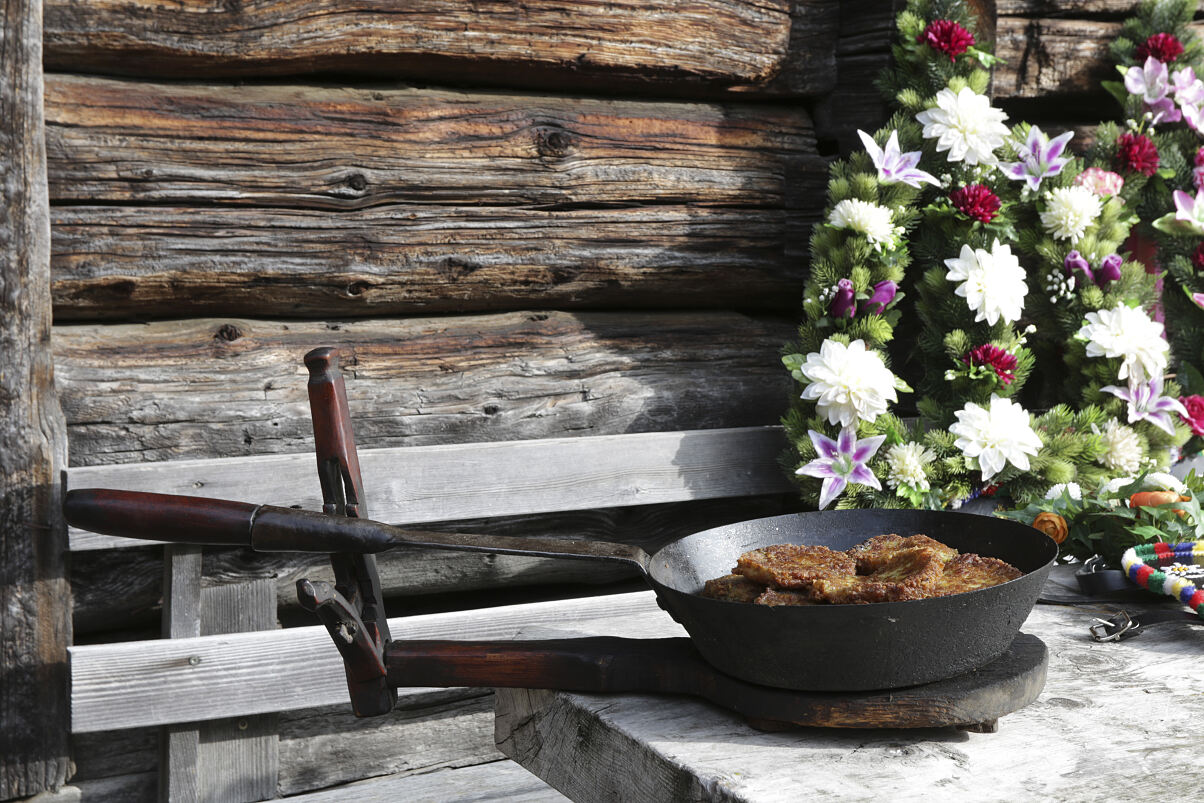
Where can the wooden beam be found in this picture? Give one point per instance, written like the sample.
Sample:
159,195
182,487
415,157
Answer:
196,388
156,262
135,684
474,480
682,48
318,146
35,599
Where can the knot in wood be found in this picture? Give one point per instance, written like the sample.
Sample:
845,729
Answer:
553,141
229,333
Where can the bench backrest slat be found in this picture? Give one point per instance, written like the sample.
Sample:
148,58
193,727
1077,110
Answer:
412,485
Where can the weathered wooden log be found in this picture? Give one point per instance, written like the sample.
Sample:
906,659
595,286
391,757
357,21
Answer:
114,141
1066,8
213,387
783,46
1055,56
154,262
35,600
122,588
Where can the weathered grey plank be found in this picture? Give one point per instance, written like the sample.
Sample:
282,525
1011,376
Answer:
133,684
174,390
154,262
1065,8
501,781
1106,703
327,147
473,480
35,623
179,744
724,44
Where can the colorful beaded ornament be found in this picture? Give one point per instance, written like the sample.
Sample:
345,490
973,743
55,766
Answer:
1163,569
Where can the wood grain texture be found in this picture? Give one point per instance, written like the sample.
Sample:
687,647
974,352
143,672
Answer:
310,146
1044,56
119,589
133,684
500,781
1102,705
1065,8
159,262
206,387
35,623
682,47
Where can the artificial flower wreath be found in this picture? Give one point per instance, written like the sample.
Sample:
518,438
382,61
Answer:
1021,295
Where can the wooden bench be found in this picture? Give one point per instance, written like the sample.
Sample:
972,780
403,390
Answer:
218,696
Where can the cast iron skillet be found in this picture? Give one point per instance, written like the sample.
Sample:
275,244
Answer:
814,648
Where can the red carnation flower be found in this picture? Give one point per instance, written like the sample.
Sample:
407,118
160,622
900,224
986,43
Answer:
976,201
1162,46
1197,258
1136,152
948,37
1000,361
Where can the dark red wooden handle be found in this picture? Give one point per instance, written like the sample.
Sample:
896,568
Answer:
160,517
596,664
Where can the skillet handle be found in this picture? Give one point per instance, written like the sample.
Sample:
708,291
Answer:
593,664
160,517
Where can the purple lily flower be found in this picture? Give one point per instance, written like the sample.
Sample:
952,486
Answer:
895,166
1075,261
1146,403
1149,80
844,302
884,293
1187,88
1109,269
1163,111
841,461
1040,157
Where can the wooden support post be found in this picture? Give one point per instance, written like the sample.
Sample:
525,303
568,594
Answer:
35,598
233,760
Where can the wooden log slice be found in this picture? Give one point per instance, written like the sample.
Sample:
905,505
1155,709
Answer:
338,148
783,46
226,387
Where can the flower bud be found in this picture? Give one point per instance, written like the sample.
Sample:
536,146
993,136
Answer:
843,302
884,293
1109,269
1075,261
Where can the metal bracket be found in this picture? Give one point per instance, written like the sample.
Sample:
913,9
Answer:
353,611
1118,628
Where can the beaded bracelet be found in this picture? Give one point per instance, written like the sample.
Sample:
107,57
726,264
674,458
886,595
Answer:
1142,564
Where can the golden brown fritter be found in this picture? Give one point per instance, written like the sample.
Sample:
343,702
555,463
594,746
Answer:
793,565
732,588
971,572
885,568
871,555
775,598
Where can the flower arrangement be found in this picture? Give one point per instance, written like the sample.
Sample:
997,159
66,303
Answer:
1118,514
998,259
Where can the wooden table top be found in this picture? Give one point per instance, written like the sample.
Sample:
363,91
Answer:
1113,718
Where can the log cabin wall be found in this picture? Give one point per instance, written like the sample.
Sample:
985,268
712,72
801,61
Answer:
519,220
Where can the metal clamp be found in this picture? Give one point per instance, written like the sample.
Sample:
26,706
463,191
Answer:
1118,628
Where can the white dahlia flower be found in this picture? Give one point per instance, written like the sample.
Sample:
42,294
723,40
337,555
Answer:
848,383
906,465
1127,332
992,282
871,220
1122,449
965,125
1069,211
1072,489
995,435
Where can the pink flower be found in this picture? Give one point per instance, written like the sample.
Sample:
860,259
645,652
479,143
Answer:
1040,157
1197,177
1101,182
1109,269
843,302
1162,46
1194,405
1146,403
894,165
1149,81
1197,258
948,37
841,461
884,293
976,201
